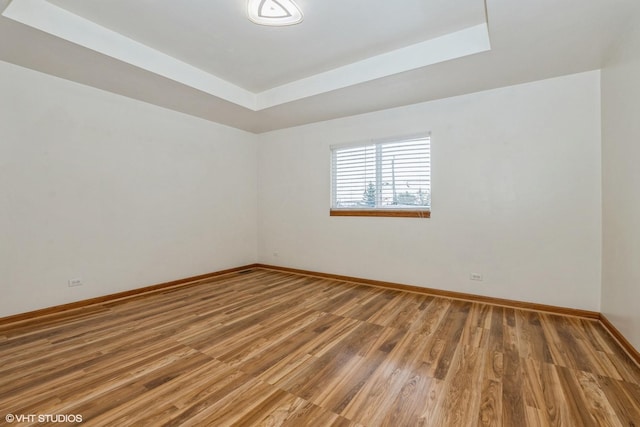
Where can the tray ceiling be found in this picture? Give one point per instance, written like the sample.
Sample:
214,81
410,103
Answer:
205,58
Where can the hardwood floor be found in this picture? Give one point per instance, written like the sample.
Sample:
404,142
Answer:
280,349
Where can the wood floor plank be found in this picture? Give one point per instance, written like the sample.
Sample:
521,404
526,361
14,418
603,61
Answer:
392,380
460,405
449,333
624,399
429,319
575,398
513,410
598,404
270,348
322,377
490,412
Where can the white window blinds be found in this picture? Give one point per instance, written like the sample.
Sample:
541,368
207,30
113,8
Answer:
390,174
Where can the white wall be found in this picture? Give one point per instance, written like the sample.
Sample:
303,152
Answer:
124,194
621,188
516,196
120,193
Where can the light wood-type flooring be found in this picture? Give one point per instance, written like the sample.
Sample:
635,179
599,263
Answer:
268,348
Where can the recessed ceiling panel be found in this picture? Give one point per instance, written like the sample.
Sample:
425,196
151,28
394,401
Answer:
217,36
373,55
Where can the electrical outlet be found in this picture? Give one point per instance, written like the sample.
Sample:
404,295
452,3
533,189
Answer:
476,276
75,282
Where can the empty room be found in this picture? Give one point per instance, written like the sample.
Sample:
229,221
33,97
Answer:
320,213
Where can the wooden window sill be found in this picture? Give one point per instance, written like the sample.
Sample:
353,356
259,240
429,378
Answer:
397,213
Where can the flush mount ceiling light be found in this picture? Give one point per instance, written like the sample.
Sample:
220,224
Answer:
274,12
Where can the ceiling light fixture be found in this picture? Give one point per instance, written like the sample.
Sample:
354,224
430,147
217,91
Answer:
274,12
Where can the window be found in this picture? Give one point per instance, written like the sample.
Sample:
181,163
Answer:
382,178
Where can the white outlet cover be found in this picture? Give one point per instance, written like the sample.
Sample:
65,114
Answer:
75,282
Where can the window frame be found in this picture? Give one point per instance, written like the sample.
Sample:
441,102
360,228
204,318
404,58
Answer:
417,212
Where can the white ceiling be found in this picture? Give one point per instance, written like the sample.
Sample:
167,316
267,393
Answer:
216,36
205,58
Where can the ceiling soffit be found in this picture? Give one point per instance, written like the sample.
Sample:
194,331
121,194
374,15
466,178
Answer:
61,23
